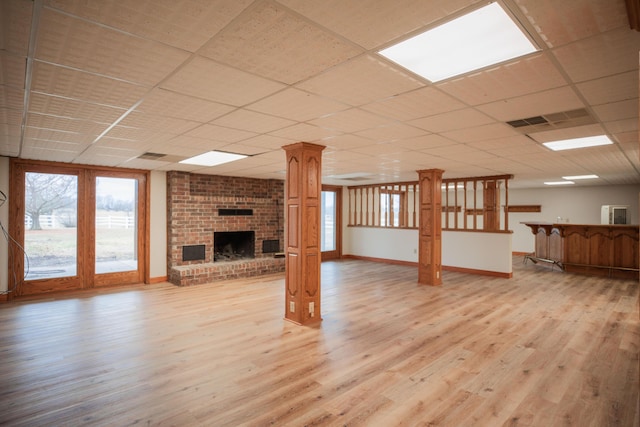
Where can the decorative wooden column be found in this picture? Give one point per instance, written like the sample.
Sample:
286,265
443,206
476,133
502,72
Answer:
491,201
430,239
302,238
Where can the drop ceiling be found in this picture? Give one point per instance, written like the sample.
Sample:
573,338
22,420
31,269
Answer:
140,84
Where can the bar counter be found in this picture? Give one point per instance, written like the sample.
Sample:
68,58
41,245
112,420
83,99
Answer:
594,249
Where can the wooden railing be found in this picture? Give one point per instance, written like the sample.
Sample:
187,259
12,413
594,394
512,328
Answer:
467,204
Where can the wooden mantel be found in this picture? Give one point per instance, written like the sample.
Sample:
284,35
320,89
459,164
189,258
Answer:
595,249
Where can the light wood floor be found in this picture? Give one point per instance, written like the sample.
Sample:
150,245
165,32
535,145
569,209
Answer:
542,349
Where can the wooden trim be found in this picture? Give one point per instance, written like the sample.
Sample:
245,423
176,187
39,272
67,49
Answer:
478,272
452,209
86,175
517,253
523,208
633,14
381,260
159,279
474,212
444,267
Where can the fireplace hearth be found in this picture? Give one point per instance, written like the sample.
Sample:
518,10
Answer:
233,245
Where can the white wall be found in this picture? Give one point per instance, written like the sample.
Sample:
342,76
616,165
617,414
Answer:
4,219
477,251
576,205
158,225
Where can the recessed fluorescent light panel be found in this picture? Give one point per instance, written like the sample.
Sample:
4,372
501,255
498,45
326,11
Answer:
213,158
575,177
559,183
476,40
570,144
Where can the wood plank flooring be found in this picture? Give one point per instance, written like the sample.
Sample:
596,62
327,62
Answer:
542,349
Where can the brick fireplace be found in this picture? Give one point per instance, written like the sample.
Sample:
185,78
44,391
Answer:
200,207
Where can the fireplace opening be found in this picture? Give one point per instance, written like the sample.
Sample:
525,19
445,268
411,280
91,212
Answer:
233,245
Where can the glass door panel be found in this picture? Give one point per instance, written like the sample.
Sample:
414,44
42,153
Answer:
116,225
327,225
330,224
50,225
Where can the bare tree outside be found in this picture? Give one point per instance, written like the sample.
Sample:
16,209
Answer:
45,193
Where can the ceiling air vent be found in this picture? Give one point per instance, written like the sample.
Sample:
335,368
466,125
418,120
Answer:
151,156
561,120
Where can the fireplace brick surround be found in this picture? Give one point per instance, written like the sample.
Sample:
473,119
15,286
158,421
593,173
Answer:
193,201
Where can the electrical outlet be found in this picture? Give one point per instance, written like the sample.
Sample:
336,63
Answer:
312,308
415,251
292,306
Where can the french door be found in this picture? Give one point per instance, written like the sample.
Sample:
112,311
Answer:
80,227
330,223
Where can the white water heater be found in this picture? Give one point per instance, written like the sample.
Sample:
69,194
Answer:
613,214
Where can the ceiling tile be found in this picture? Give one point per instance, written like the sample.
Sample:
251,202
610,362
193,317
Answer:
481,133
617,110
219,133
305,132
153,123
295,104
533,73
12,98
270,41
372,23
253,121
15,25
610,48
12,69
360,81
65,82
534,104
183,24
65,40
72,108
170,104
391,132
267,142
561,22
606,90
351,120
453,120
223,84
414,104
568,133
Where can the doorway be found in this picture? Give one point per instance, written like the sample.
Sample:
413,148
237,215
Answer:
330,223
80,227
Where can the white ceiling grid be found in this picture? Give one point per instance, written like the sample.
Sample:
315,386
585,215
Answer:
111,80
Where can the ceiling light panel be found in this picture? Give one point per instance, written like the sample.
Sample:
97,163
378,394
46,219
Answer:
213,158
559,183
579,177
570,144
481,38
